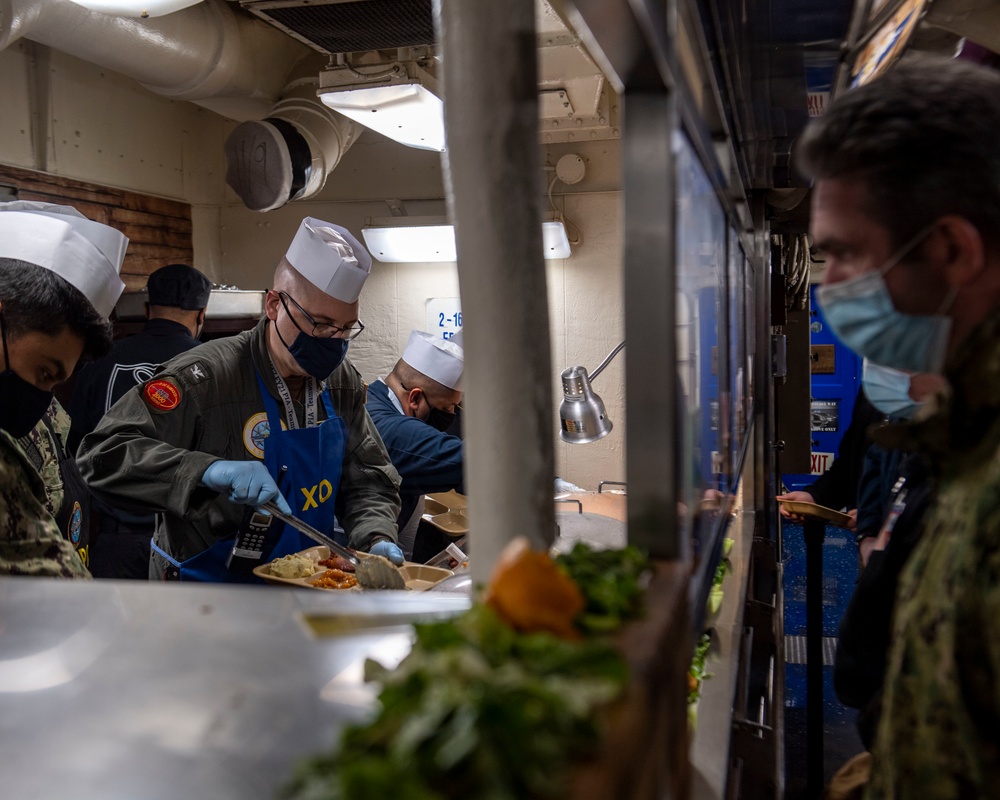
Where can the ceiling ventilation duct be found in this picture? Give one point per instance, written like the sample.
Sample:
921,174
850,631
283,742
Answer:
209,54
289,154
350,26
369,38
222,59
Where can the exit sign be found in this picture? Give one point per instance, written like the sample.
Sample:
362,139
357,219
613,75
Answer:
821,462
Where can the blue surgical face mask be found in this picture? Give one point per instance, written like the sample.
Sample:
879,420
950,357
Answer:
888,390
861,314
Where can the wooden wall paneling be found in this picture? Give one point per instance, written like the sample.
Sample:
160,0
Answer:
158,229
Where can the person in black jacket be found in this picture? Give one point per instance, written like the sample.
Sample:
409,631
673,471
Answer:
889,527
865,629
837,488
178,296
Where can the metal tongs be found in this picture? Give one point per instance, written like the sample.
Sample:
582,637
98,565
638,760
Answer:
373,572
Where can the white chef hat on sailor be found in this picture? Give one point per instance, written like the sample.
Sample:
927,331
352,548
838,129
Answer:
330,258
84,253
438,359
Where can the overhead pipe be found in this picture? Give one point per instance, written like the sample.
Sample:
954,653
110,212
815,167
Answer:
210,55
207,54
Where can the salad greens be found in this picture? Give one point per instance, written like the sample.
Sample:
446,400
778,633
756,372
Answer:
698,671
479,710
610,582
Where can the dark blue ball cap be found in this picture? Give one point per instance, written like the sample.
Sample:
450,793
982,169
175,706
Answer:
179,286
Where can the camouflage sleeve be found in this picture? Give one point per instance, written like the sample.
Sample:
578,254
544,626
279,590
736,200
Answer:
43,452
30,540
368,497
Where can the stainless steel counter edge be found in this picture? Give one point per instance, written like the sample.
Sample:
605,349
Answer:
120,689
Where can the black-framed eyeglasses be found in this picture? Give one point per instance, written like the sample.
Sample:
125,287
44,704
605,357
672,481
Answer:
321,330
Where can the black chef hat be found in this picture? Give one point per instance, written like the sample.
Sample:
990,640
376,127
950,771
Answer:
179,286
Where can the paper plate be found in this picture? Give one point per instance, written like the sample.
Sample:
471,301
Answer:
815,511
448,512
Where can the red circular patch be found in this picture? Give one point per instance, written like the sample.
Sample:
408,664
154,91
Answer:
162,395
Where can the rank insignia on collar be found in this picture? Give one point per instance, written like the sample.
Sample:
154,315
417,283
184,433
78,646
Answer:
197,372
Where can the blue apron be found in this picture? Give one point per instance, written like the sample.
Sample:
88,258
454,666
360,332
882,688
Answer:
312,460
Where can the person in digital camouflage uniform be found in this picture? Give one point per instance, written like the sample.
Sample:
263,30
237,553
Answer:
43,453
906,208
58,284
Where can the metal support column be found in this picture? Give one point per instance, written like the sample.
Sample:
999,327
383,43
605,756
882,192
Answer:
814,532
651,322
494,183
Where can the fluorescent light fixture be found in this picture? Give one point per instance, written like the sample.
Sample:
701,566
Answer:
431,239
136,8
408,113
555,242
411,243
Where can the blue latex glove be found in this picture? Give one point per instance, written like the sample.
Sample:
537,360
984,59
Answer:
565,487
388,550
246,482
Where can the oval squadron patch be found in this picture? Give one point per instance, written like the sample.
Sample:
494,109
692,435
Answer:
75,523
162,395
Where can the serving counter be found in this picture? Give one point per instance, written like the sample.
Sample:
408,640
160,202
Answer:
131,690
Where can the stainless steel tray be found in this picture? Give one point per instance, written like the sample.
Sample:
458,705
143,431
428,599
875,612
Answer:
222,304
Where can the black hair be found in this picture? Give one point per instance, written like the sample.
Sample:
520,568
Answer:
36,299
924,141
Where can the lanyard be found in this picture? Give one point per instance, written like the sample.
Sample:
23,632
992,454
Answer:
286,400
896,509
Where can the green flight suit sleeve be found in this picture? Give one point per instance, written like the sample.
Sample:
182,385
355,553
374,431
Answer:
144,456
368,497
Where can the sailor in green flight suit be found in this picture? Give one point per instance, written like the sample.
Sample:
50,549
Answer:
276,413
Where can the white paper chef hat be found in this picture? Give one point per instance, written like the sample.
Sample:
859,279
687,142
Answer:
438,359
329,257
86,254
457,338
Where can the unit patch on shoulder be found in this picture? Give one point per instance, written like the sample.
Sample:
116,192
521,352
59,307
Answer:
255,431
75,523
162,395
196,372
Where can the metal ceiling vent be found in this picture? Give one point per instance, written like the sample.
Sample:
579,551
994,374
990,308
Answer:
350,26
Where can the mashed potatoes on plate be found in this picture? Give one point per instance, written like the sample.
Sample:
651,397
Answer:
293,567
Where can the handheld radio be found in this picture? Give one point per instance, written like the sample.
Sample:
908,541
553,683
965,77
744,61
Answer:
254,539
